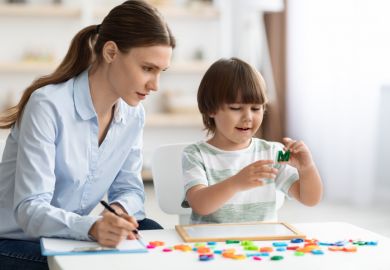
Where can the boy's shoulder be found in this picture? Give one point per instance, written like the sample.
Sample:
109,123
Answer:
194,147
204,147
199,147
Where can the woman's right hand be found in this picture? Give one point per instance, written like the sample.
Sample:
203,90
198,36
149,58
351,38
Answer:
112,229
253,175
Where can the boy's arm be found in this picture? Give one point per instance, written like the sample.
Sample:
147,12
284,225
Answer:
308,190
205,200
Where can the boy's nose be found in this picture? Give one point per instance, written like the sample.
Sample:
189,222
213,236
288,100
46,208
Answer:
247,117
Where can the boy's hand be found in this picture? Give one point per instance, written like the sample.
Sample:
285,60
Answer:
253,175
300,156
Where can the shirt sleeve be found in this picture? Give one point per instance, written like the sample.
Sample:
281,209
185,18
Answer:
194,172
127,188
35,177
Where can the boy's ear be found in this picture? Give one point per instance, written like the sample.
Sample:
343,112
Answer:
110,51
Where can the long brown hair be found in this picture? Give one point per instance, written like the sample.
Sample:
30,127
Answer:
229,81
132,24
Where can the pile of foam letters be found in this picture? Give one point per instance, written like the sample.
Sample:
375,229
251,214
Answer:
242,250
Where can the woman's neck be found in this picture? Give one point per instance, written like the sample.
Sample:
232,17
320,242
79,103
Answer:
102,97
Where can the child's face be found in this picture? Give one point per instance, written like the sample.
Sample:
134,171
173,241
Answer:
236,124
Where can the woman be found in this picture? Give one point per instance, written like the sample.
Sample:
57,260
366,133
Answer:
77,134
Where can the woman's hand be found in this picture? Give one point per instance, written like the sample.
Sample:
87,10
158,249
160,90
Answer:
112,229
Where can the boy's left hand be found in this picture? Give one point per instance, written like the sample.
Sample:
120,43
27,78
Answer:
300,156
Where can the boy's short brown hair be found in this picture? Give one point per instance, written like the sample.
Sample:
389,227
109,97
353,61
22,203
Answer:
229,81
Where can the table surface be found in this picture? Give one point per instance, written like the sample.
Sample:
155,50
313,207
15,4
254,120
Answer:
366,257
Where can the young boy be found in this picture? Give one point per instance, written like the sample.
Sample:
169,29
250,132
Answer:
233,177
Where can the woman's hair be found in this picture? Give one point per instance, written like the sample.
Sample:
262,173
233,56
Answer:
132,24
229,81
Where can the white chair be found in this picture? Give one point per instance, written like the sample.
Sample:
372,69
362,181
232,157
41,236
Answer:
168,183
167,180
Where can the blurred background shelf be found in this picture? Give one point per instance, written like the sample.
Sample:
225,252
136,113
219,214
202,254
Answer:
173,120
198,11
189,67
28,67
48,67
39,10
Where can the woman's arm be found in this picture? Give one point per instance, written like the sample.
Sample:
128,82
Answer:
35,179
127,189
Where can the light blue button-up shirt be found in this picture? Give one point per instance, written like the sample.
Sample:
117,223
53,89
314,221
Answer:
53,171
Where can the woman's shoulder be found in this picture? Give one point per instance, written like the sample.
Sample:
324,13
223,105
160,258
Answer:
54,93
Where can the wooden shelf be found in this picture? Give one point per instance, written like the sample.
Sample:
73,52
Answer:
204,11
36,10
146,175
200,12
45,67
28,67
189,67
173,120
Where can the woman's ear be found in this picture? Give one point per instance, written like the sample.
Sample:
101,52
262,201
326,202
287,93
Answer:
110,51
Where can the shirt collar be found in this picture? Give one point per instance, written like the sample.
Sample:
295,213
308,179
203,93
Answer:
82,97
83,100
120,111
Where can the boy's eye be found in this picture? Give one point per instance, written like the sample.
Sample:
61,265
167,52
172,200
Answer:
256,109
234,108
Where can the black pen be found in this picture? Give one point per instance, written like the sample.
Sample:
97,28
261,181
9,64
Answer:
112,210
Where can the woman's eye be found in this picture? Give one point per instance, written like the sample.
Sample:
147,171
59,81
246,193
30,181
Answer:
256,109
148,69
234,108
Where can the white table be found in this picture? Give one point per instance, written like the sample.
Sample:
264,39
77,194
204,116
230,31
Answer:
367,257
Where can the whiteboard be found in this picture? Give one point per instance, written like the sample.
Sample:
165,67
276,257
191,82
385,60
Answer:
238,231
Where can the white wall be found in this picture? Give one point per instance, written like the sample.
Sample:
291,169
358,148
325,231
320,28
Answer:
338,61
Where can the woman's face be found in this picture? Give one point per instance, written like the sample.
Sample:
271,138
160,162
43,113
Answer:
133,75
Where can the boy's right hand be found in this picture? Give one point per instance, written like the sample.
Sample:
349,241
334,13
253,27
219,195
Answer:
253,175
112,229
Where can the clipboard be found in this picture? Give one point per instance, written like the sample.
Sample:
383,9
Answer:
57,246
260,231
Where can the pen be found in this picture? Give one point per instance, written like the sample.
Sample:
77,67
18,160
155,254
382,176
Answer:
109,208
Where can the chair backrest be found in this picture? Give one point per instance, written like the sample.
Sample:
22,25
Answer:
168,183
167,180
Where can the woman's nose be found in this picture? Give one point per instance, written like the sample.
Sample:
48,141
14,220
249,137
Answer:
153,84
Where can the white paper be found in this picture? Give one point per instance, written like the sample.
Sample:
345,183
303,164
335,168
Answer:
58,246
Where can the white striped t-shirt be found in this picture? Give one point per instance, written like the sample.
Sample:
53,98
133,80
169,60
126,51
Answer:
204,164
